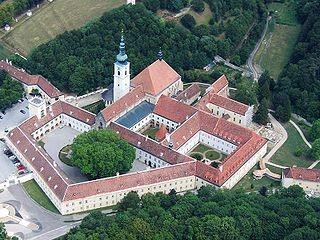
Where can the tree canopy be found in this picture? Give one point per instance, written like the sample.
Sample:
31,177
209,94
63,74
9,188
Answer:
102,153
10,91
82,60
211,214
300,80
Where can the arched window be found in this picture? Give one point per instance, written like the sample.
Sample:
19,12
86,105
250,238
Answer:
118,73
125,72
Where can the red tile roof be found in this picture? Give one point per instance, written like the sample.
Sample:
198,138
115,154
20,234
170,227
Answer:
129,181
28,79
116,109
52,175
173,110
149,145
312,175
219,84
161,133
189,93
156,77
53,111
229,104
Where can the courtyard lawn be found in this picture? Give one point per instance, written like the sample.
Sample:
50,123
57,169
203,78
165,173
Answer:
249,184
201,148
55,18
276,49
36,193
284,13
212,155
204,17
197,156
285,155
63,155
151,132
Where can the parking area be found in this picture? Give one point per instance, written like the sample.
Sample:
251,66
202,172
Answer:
13,117
7,167
54,142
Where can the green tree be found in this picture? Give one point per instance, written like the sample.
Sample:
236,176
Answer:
197,5
315,150
315,130
188,21
261,116
246,92
102,153
132,200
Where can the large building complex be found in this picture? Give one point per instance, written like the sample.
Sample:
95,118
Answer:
153,98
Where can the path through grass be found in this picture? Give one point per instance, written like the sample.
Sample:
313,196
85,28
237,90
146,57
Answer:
204,17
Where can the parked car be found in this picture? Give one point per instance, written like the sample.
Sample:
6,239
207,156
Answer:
10,154
17,164
7,152
20,172
2,140
20,167
3,112
23,111
12,157
6,130
16,161
1,117
19,101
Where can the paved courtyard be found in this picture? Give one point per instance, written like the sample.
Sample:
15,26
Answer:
138,166
54,142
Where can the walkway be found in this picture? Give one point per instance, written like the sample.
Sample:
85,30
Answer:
301,133
250,61
313,164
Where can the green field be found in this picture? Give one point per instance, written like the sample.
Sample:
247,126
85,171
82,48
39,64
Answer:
5,52
285,155
201,148
247,182
276,48
36,193
204,17
284,13
56,18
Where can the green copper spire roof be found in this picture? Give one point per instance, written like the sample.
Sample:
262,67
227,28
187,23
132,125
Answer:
160,55
122,56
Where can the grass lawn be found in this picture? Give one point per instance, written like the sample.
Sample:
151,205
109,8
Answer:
95,107
274,169
284,13
201,148
5,52
212,155
63,155
56,18
151,132
276,48
196,156
36,193
304,128
247,182
285,155
204,17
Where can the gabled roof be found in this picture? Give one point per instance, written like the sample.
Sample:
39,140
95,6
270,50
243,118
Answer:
161,133
219,84
156,77
188,93
28,79
173,110
229,104
53,111
298,173
117,108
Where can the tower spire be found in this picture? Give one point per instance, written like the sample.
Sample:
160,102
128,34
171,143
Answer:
122,56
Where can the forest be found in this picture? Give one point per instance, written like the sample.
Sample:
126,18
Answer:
82,60
10,91
10,9
298,87
211,214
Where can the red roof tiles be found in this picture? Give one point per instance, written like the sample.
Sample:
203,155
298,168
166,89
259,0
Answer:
219,84
53,111
173,110
117,108
156,77
189,93
312,175
161,133
229,104
28,79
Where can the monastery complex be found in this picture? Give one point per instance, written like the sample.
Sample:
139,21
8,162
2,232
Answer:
155,97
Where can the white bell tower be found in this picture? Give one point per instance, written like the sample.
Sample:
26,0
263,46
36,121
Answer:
121,74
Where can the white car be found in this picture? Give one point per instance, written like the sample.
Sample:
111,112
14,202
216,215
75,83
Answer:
12,157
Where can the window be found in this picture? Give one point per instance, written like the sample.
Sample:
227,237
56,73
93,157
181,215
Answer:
118,73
